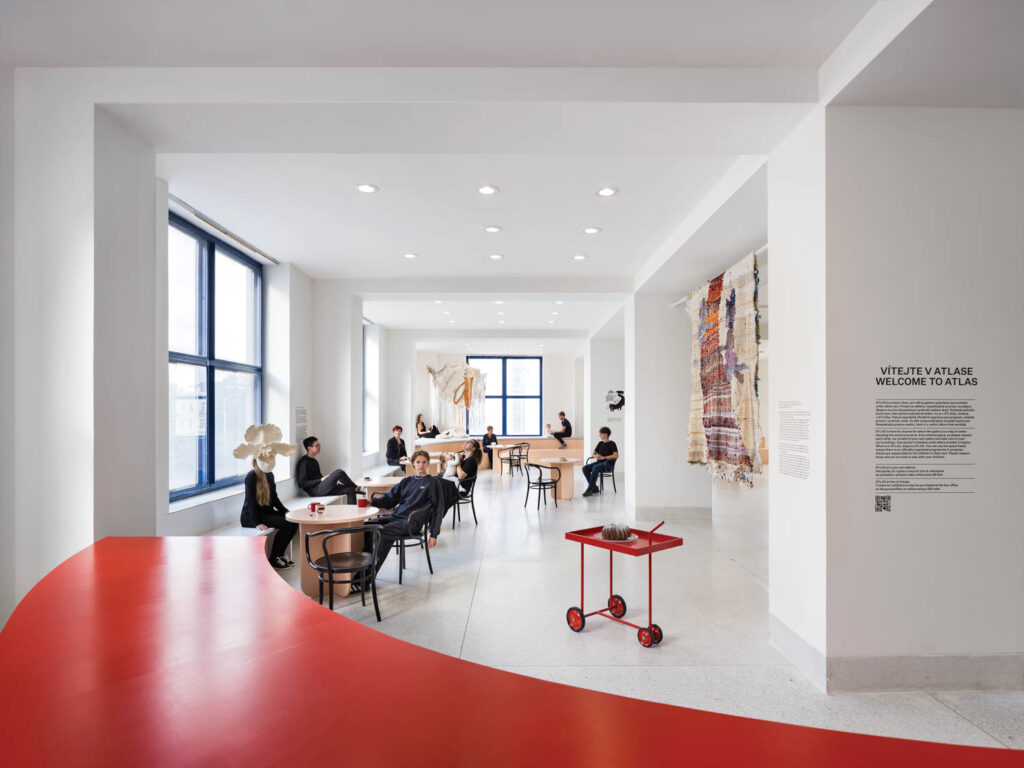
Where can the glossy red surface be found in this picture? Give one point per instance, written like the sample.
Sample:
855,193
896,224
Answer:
645,542
192,651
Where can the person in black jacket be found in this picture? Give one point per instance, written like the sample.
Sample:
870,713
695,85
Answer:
310,479
396,447
263,507
490,439
417,500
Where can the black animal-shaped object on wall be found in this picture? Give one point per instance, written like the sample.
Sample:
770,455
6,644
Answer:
615,398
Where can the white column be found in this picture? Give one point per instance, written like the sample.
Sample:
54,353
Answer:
7,286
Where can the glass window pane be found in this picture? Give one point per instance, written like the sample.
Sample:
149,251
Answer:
235,332
234,409
523,416
491,369
183,264
187,425
522,376
489,415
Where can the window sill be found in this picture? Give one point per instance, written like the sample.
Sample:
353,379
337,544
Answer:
205,498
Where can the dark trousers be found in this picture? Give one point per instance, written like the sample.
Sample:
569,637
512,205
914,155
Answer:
593,471
559,435
337,484
390,532
285,530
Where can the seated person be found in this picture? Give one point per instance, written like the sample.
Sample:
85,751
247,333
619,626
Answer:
565,431
396,447
309,478
262,508
417,500
421,428
490,439
606,452
461,468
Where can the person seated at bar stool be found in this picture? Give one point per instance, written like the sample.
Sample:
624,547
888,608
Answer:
261,507
396,447
310,479
565,431
415,501
421,428
462,471
490,439
606,452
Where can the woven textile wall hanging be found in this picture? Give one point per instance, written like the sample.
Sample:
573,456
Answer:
724,430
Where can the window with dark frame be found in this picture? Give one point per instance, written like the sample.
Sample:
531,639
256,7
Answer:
513,403
215,366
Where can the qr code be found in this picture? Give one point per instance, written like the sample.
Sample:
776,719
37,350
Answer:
883,503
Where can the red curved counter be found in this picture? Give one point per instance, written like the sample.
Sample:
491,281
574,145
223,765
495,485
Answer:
192,651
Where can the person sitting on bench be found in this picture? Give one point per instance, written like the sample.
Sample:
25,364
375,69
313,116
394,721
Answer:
490,439
396,448
565,431
417,500
462,470
606,452
421,428
310,479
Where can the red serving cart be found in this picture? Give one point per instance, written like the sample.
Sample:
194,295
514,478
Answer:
640,543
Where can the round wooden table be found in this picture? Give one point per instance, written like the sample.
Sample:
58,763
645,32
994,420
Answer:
334,516
566,486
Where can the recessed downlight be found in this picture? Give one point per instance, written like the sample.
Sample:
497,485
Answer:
607,191
499,301
559,301
409,255
367,189
492,228
446,312
580,257
501,312
489,189
556,313
496,256
438,301
502,322
591,230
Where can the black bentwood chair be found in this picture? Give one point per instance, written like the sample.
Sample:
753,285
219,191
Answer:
411,540
466,498
602,475
541,483
333,565
513,457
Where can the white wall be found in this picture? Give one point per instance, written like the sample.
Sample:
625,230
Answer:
925,266
7,518
657,355
559,393
607,364
124,407
796,316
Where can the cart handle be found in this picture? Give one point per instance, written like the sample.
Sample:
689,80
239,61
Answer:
650,533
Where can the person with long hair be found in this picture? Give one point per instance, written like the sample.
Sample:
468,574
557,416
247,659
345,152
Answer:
461,468
263,507
421,428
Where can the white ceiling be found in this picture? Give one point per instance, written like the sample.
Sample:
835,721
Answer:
956,53
575,314
442,33
304,209
483,345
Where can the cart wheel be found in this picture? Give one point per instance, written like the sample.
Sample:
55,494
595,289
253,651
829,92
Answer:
575,618
645,637
617,606
656,633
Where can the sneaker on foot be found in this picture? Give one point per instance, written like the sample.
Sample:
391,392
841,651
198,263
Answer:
563,445
279,563
588,492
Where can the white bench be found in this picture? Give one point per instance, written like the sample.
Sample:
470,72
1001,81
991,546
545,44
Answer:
293,504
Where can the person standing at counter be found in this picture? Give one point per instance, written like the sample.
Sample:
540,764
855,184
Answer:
310,479
606,452
396,447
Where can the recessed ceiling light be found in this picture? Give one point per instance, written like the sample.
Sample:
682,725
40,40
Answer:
551,322
487,189
580,256
556,313
500,312
438,301
591,230
409,255
492,228
606,191
497,256
499,301
502,322
559,302
367,189
446,312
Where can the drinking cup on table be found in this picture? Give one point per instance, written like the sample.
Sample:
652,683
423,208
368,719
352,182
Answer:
361,502
313,506
319,509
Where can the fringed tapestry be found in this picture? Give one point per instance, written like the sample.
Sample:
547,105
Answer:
457,388
724,430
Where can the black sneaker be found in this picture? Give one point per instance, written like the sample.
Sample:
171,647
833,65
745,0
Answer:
588,492
279,563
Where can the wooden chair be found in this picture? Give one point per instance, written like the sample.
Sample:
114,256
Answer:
332,565
541,483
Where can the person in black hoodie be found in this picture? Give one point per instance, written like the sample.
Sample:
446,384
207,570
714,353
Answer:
310,479
417,500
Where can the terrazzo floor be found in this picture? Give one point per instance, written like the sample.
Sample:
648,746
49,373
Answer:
500,590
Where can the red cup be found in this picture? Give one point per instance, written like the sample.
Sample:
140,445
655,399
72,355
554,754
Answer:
312,507
361,502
